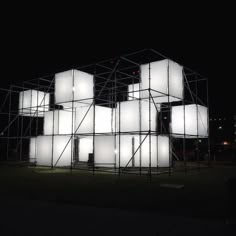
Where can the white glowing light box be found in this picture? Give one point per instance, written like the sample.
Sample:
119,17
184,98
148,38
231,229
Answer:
50,148
85,147
60,120
164,151
127,148
33,103
104,151
73,85
160,154
130,116
104,119
33,150
166,77
133,91
191,120
84,124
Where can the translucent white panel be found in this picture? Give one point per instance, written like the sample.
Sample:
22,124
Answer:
162,99
145,153
127,149
202,121
104,119
33,103
175,80
131,144
32,150
104,150
133,91
73,85
186,121
49,124
64,86
159,72
164,152
129,116
62,123
160,153
85,147
49,149
83,86
134,116
84,119
145,115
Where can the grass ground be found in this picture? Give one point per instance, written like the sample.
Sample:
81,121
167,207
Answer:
204,193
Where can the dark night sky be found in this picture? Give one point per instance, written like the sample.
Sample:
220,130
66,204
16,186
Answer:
36,43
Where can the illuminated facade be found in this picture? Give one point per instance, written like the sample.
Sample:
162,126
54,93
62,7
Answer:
130,114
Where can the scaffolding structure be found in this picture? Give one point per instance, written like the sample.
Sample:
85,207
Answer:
119,101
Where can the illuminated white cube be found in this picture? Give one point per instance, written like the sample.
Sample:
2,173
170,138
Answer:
73,85
164,156
189,121
104,119
160,153
133,91
33,103
33,150
60,120
166,81
104,151
50,148
84,119
127,149
85,148
134,116
146,159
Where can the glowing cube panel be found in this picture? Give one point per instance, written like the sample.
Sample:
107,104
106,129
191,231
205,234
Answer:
33,150
130,116
164,151
189,121
166,78
84,119
33,103
128,145
145,160
104,151
104,119
85,147
160,154
58,122
73,85
50,148
133,91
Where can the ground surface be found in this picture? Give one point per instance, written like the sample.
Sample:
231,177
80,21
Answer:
37,201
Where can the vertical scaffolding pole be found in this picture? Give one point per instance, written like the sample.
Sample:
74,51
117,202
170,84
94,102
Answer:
140,136
208,140
197,144
94,106
9,120
119,139
22,123
168,94
72,123
114,102
53,128
149,122
184,139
